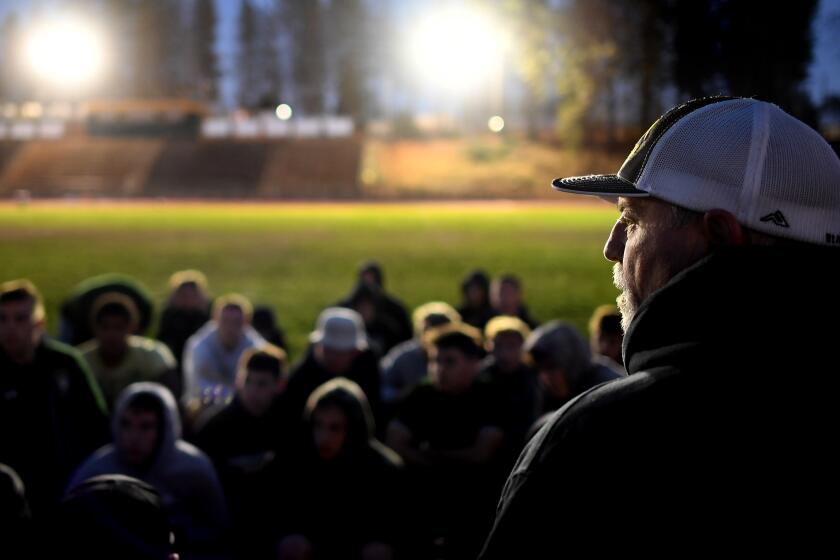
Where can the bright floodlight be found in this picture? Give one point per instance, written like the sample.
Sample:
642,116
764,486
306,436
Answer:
496,123
457,49
283,112
65,53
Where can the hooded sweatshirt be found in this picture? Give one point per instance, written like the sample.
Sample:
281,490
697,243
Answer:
344,503
559,345
182,474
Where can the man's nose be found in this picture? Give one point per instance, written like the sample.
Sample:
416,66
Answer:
614,248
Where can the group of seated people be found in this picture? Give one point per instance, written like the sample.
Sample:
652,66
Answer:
390,437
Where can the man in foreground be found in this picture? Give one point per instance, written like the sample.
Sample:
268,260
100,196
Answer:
727,256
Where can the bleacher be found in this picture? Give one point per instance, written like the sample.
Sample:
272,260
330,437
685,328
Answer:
140,167
79,166
316,168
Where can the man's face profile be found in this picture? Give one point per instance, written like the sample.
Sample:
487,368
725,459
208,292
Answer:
648,248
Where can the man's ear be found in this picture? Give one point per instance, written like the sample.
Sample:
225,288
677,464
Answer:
723,229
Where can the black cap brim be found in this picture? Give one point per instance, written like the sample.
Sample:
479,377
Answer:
608,187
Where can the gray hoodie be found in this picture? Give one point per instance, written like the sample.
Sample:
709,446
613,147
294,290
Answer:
180,472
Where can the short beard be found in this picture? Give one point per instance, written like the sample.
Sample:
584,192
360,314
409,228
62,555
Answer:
625,306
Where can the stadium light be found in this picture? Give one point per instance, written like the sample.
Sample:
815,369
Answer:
283,112
456,49
496,123
66,53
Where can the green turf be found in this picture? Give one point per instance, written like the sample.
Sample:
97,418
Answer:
301,258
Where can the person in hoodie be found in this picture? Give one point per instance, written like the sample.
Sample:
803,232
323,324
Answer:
383,330
342,502
565,364
115,356
147,445
371,273
475,308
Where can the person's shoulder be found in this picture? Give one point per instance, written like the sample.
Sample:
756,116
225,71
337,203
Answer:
193,471
305,363
203,335
102,461
403,349
253,338
86,349
191,457
383,457
62,356
423,391
57,349
394,303
584,420
484,387
218,425
151,348
608,397
609,367
418,401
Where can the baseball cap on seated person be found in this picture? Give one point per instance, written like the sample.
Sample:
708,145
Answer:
340,329
773,172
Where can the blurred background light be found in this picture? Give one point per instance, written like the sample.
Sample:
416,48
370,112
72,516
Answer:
456,49
283,112
66,53
496,123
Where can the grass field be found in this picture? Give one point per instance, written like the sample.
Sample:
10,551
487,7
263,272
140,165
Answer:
301,257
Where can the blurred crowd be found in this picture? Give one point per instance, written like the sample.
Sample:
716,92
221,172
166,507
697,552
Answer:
390,437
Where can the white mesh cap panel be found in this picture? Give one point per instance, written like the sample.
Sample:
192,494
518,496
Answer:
693,165
801,179
752,159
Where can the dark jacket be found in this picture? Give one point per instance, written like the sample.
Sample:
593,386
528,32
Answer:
233,438
517,396
177,326
340,505
389,324
52,416
720,435
308,374
245,450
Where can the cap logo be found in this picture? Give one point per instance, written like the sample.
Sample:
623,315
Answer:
777,218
